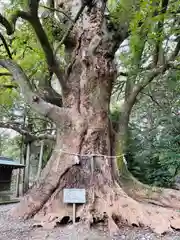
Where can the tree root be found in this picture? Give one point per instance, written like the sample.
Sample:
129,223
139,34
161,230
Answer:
43,189
119,209
169,198
128,211
107,204
111,209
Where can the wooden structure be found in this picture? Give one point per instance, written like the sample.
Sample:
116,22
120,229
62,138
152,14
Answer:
6,167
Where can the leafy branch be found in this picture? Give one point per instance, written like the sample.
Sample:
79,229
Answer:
33,19
32,98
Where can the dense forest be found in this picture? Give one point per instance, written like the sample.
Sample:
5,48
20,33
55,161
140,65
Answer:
83,80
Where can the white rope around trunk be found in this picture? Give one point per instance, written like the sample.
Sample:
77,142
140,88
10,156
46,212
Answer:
90,155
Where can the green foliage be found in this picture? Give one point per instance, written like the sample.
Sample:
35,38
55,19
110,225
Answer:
18,3
114,114
153,150
155,157
7,97
121,11
27,51
153,144
13,149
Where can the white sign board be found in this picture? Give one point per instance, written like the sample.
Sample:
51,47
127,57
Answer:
74,195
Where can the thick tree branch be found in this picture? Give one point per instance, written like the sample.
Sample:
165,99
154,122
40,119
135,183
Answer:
10,25
32,18
11,86
48,93
159,53
153,74
14,126
150,77
24,131
50,58
33,7
175,52
5,45
43,39
5,74
37,103
6,24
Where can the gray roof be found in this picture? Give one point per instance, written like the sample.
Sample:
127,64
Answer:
4,161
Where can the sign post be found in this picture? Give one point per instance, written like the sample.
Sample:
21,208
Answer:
74,196
74,213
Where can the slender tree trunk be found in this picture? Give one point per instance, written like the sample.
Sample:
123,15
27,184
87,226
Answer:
125,112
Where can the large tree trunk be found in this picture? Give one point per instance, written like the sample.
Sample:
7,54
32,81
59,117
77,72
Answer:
106,200
86,132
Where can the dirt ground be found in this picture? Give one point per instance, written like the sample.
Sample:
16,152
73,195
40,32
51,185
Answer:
13,229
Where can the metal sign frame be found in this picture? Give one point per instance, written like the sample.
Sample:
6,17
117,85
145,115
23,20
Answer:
74,195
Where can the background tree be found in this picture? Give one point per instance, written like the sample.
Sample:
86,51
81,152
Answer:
154,142
150,52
